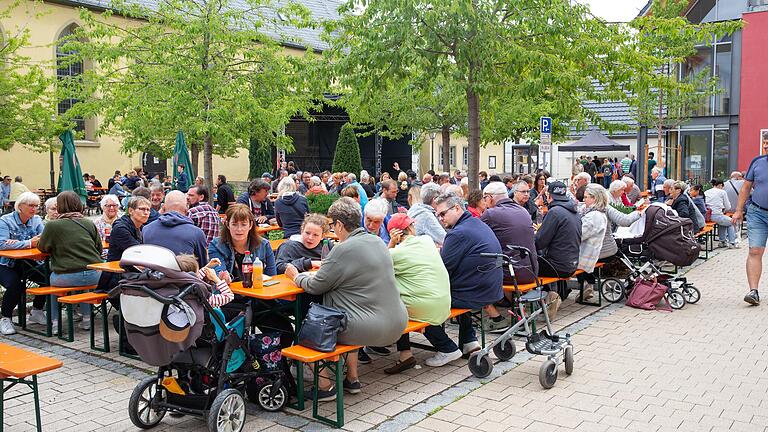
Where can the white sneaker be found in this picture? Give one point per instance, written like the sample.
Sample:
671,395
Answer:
469,348
55,327
36,316
733,246
6,327
85,324
441,358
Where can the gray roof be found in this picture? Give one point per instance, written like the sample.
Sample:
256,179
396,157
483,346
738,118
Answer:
613,112
321,10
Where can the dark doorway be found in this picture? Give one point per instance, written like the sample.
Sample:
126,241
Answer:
153,165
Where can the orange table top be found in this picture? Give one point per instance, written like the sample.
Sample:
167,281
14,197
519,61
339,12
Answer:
20,363
286,289
109,267
33,254
264,230
276,243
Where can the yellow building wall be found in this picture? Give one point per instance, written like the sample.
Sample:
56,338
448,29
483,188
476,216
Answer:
100,155
460,143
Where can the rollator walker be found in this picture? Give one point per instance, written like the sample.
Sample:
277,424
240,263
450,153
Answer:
556,347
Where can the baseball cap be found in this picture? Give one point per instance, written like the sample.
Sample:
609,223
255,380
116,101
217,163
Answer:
399,221
558,191
266,174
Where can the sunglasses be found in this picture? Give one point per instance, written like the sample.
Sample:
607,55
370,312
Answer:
442,214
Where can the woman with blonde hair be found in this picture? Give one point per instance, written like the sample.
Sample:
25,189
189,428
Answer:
596,238
290,207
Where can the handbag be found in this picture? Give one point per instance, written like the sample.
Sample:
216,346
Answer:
647,295
321,326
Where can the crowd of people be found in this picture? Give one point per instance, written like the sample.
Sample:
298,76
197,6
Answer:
407,249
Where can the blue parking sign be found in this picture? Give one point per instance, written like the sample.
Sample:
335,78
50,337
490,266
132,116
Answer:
546,125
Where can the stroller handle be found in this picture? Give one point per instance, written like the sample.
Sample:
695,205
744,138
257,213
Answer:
163,299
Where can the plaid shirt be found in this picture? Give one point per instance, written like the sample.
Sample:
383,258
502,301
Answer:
207,219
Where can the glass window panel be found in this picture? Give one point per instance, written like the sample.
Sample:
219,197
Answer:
465,155
452,156
66,70
720,154
723,73
671,159
696,149
698,67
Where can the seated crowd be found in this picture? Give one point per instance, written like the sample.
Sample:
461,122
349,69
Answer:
411,251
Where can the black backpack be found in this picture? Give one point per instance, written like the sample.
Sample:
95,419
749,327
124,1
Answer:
670,237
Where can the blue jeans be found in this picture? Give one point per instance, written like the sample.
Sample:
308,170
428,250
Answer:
725,228
10,279
439,339
80,278
757,226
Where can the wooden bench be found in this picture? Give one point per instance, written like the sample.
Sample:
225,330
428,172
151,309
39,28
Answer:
98,300
708,234
50,291
334,361
16,366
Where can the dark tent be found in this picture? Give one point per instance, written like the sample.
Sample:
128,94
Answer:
594,142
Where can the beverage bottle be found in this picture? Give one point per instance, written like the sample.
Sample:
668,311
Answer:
247,270
258,272
107,232
325,250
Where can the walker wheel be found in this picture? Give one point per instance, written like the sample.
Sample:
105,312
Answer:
272,402
568,359
691,294
548,374
505,350
676,300
480,365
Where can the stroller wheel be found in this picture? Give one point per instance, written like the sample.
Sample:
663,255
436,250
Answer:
227,412
568,359
480,365
272,402
505,350
691,294
140,404
548,374
612,289
675,299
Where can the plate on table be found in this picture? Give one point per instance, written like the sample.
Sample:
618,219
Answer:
266,277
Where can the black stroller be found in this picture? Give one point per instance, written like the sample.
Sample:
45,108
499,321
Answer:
205,362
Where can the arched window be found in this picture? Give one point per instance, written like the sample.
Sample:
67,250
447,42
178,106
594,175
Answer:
65,70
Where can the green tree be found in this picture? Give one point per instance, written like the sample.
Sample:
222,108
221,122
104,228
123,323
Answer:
28,104
346,158
259,159
659,44
212,68
501,57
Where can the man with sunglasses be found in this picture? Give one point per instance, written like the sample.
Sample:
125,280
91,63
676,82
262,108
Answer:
475,281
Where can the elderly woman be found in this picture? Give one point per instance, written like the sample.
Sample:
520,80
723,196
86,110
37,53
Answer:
20,229
616,191
290,207
375,218
125,232
422,280
51,211
316,186
717,199
110,207
366,291
365,181
424,214
73,242
597,242
682,204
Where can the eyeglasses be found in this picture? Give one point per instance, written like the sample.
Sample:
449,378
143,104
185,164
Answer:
442,214
33,205
143,209
523,191
110,205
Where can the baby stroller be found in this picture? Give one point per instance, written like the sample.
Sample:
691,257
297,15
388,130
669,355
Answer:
666,238
205,364
546,342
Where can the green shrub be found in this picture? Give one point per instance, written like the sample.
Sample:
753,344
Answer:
320,203
347,155
275,235
259,159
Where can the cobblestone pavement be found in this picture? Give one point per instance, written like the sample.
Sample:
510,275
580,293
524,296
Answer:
635,370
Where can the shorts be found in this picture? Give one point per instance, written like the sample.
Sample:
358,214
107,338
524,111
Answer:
757,226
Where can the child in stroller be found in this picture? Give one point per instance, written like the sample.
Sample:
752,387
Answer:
205,362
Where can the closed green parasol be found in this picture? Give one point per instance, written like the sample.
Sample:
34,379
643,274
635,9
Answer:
70,177
181,157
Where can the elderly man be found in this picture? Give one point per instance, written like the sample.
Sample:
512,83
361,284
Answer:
521,194
17,188
579,184
424,214
456,179
666,187
389,194
733,188
5,191
20,229
443,179
203,215
427,178
352,181
632,191
467,238
256,198
156,197
559,238
657,184
305,185
375,219
176,231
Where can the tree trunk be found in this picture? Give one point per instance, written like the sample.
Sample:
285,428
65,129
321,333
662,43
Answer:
194,149
445,132
208,166
473,106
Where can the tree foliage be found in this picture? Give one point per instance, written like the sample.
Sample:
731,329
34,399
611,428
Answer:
347,155
504,63
259,159
211,68
27,100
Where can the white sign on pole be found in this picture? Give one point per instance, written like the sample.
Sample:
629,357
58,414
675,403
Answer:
545,125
